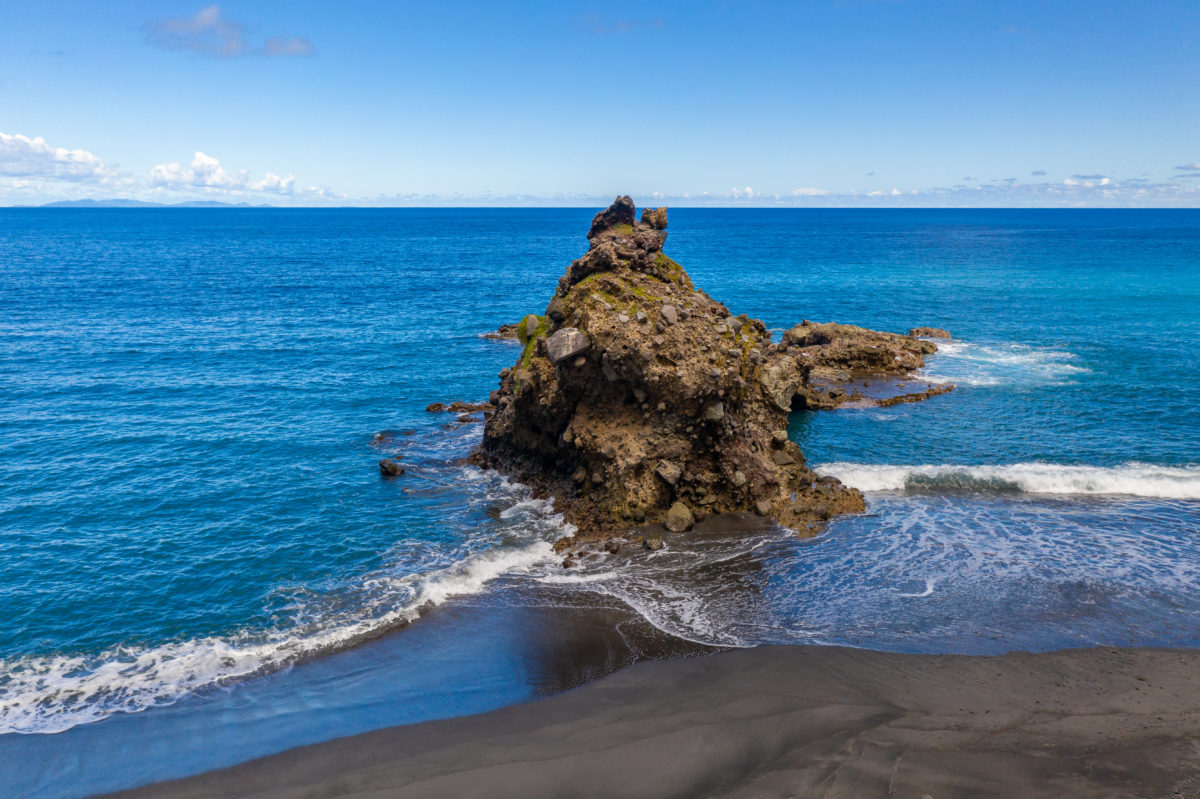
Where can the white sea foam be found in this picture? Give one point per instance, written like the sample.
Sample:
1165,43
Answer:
577,578
971,364
46,694
1132,479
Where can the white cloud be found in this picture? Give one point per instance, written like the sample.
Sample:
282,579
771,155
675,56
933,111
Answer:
809,192
207,32
205,172
23,157
287,45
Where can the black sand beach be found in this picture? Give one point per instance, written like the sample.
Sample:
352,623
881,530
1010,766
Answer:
787,721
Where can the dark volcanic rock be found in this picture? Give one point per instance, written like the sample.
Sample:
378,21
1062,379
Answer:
389,468
505,331
621,212
930,332
458,406
834,357
660,407
840,351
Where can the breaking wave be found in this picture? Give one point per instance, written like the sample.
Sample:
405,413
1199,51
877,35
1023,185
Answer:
47,694
1130,479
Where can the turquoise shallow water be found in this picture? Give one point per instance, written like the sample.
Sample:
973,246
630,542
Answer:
189,504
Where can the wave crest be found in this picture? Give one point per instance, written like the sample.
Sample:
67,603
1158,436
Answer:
1130,479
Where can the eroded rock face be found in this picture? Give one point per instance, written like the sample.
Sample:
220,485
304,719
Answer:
640,396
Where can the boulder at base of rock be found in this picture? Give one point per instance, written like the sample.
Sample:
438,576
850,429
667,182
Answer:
565,343
679,518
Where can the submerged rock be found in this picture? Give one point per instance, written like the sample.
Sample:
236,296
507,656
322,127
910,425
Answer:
390,468
641,395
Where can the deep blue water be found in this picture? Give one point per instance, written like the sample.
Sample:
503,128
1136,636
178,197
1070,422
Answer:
192,524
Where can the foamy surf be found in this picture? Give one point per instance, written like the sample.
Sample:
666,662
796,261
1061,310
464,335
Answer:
48,694
966,363
1130,479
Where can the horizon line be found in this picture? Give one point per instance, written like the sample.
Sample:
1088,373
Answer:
193,205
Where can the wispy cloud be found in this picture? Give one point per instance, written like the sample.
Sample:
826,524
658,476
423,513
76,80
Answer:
32,170
36,169
287,45
25,157
1038,173
1192,167
210,34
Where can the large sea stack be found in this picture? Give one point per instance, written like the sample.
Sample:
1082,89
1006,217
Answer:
639,398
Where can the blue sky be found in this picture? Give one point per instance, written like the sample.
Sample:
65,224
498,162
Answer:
812,102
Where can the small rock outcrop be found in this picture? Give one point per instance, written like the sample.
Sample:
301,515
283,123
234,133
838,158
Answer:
845,363
388,467
638,398
930,332
505,331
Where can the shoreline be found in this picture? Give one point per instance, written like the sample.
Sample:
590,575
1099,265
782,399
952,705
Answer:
787,720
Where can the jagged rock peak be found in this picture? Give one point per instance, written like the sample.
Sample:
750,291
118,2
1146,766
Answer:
618,241
621,212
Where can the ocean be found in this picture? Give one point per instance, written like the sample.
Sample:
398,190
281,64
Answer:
200,562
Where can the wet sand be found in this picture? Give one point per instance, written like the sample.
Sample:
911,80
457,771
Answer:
787,721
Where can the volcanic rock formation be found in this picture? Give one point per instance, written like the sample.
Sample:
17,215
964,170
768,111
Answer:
639,398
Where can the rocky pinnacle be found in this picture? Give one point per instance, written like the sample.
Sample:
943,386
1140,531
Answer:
639,398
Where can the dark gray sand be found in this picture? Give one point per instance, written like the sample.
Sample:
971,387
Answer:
787,721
